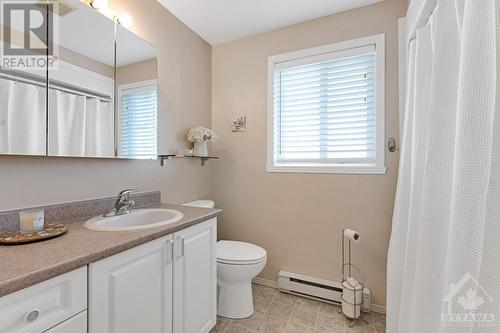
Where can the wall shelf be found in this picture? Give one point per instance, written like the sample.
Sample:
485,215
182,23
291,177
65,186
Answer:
203,159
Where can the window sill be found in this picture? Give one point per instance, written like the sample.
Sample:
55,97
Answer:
339,169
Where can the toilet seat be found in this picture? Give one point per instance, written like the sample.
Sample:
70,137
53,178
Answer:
240,262
239,253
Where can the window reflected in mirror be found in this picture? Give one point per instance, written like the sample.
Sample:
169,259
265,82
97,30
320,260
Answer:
136,81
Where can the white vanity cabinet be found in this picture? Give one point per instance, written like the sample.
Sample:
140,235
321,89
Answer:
166,285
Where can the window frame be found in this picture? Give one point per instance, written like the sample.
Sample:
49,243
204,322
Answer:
327,166
134,87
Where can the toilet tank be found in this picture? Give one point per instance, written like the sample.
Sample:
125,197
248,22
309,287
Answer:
200,203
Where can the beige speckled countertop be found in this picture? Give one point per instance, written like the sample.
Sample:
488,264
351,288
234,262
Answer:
22,266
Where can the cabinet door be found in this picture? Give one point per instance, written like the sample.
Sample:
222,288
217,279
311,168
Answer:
131,291
76,324
195,278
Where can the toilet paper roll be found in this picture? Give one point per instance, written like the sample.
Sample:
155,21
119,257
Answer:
352,298
352,235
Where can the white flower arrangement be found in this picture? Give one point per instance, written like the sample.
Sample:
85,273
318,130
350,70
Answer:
201,134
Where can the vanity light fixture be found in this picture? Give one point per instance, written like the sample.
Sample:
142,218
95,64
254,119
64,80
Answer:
125,20
99,4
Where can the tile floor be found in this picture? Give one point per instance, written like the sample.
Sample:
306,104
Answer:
277,312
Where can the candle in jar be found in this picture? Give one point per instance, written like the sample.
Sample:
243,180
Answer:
31,221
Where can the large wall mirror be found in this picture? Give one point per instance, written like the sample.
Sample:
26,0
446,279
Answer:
100,100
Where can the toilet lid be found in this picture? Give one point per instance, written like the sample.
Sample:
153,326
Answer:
232,252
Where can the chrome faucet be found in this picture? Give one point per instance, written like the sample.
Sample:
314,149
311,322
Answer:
123,204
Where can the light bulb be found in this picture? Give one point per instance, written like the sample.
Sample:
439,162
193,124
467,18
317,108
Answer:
125,20
99,4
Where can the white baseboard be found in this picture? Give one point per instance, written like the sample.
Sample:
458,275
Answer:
265,282
274,284
378,308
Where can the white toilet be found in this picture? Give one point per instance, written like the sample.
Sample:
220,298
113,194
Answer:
237,264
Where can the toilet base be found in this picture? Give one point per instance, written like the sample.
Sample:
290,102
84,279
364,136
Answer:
235,301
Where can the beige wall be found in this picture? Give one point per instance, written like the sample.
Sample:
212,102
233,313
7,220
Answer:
85,62
184,101
298,218
137,72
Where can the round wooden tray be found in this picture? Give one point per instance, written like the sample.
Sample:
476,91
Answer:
16,237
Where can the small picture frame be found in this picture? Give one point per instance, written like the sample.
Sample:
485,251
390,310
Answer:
239,124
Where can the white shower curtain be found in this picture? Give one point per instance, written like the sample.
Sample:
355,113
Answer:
80,126
444,248
99,132
67,117
22,118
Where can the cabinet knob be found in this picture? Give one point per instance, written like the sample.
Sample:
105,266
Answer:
33,315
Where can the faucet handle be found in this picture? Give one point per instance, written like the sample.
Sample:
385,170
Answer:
126,193
123,196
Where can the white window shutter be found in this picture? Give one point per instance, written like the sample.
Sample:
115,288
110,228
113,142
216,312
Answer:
326,108
326,111
139,123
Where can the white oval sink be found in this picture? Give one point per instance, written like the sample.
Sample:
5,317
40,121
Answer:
135,220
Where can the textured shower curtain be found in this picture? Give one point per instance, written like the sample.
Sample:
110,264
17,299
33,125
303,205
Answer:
99,131
80,126
22,118
444,252
67,121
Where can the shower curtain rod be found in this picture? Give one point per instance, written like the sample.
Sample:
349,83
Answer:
55,85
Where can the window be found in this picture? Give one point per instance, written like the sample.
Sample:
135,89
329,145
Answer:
326,109
138,120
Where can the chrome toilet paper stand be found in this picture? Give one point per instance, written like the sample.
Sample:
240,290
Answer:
347,268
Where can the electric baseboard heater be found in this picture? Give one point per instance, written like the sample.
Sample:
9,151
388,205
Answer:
315,288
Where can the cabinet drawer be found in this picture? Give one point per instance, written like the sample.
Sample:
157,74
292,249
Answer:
76,324
44,305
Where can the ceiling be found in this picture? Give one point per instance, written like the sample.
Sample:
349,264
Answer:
219,21
96,40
